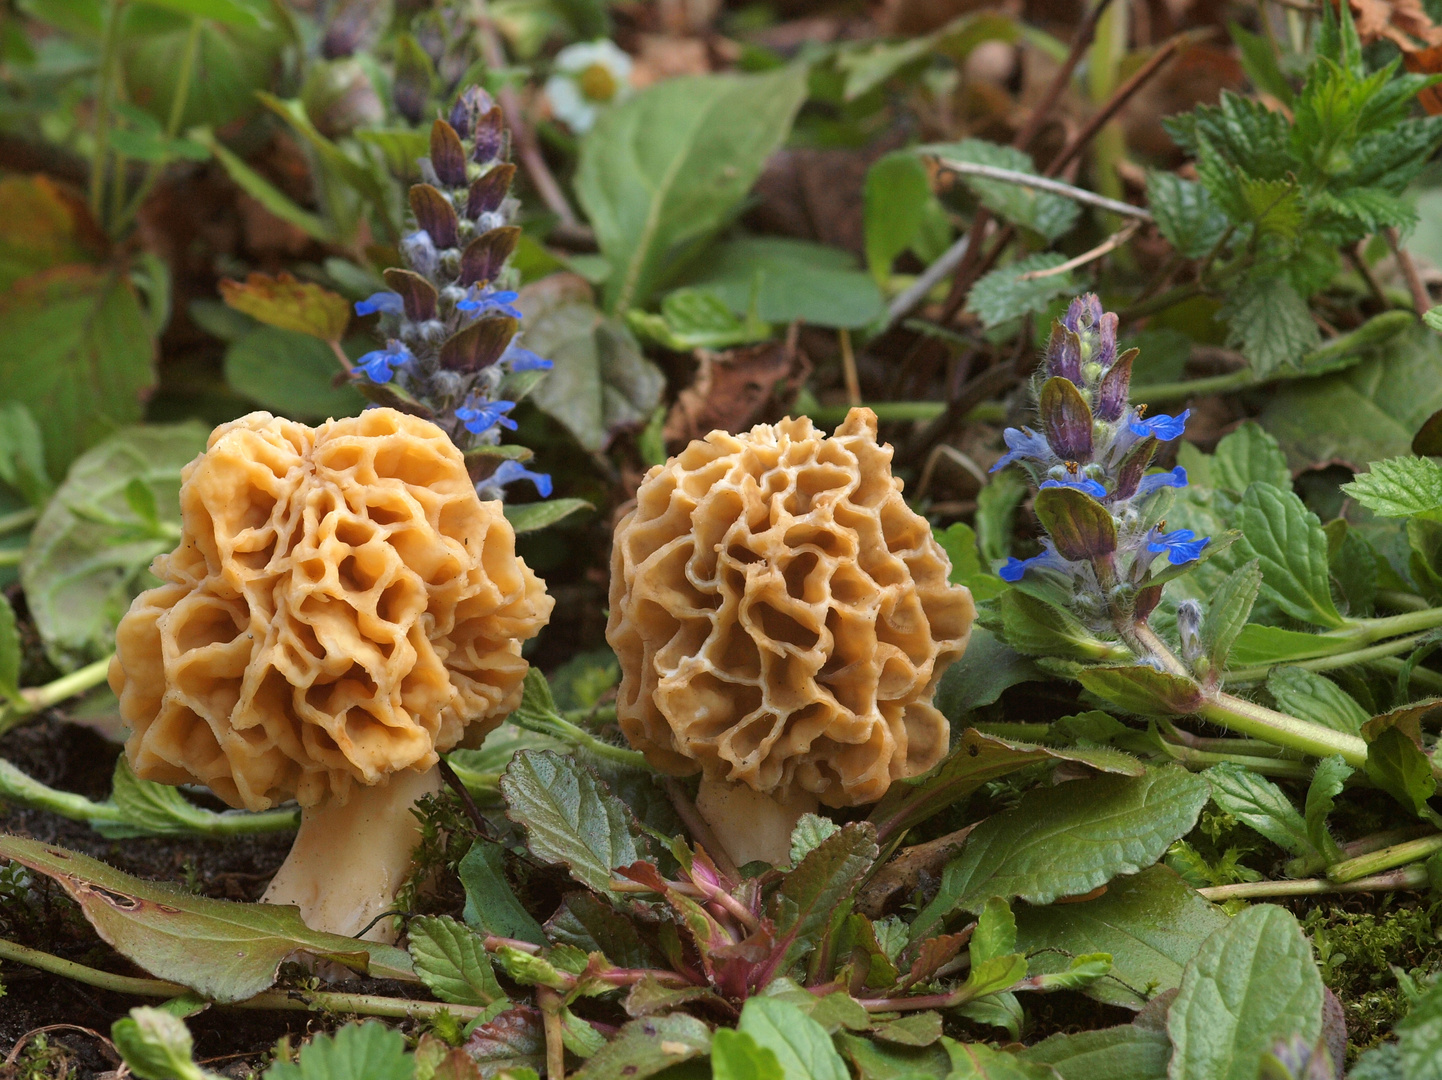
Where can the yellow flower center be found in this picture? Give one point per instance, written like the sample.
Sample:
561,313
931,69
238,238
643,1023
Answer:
598,83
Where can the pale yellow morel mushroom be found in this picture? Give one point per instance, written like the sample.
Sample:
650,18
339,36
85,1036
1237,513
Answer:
341,609
781,618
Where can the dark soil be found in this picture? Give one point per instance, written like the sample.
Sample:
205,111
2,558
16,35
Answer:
75,759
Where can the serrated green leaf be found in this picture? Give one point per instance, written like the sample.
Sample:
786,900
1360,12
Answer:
1399,487
1002,294
1279,530
1247,455
1270,323
1186,214
1274,206
1419,1037
808,834
451,960
156,1046
1310,696
1260,805
1228,608
1126,1052
820,889
1065,841
660,173
368,1051
1150,924
801,1045
570,817
1327,783
1253,982
1397,765
1036,628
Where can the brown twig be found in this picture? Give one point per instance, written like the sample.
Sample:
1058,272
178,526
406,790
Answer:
1081,41
457,785
848,367
1421,301
1107,246
550,1003
1359,263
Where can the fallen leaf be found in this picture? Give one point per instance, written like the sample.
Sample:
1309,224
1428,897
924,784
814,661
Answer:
736,390
1427,62
284,302
1405,23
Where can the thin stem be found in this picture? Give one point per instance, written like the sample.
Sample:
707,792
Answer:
912,296
1402,601
1106,247
18,520
1388,858
550,1003
1409,877
38,698
697,826
1080,41
1042,183
109,65
1199,760
1421,301
848,367
560,727
1344,658
172,127
12,556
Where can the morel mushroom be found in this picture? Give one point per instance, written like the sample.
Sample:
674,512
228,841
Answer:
341,608
782,617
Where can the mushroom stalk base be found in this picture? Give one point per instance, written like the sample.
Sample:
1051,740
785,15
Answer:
348,861
751,825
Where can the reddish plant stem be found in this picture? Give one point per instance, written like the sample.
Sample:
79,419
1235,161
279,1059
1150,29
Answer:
1421,301
699,830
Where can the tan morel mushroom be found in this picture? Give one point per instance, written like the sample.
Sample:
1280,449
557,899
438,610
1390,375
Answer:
782,617
341,608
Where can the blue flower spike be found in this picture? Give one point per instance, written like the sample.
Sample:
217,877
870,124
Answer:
1163,427
377,366
388,302
1181,547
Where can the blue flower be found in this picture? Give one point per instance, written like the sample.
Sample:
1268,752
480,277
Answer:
389,302
1165,428
1023,443
482,301
1091,487
1014,568
1181,546
377,365
521,359
510,471
487,415
1177,478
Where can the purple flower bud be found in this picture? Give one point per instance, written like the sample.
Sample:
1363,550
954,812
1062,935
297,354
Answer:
1132,468
1082,313
1066,420
1106,348
1115,387
1063,353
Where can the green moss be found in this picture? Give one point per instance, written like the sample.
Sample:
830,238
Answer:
1358,949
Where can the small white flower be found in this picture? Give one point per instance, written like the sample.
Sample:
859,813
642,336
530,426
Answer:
587,77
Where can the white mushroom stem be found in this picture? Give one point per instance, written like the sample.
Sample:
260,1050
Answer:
348,860
752,826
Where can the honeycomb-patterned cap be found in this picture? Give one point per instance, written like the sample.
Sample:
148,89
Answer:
341,606
781,615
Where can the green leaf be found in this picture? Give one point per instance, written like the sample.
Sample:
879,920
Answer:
959,542
1327,783
1002,294
1126,1052
1397,765
995,933
1270,323
1419,1037
1259,60
45,226
490,904
600,382
570,817
784,280
1310,696
1227,610
986,669
9,651
1037,628
1260,805
995,974
1143,690
1259,645
895,198
1253,982
801,1045
1186,214
88,554
662,172
1279,530
226,951
151,809
1042,212
592,925
156,1045
808,835
78,354
735,1055
976,1061
1399,487
1150,924
1067,840
451,960
1366,413
1246,456
22,455
696,319
974,760
291,374
880,1061
368,1051
268,195
531,517
646,1047
513,1040
819,891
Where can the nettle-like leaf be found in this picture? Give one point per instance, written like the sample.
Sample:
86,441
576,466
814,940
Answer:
1327,782
1228,609
1041,211
369,1051
1269,321
571,818
1279,530
1399,487
451,960
819,891
1186,214
1003,294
